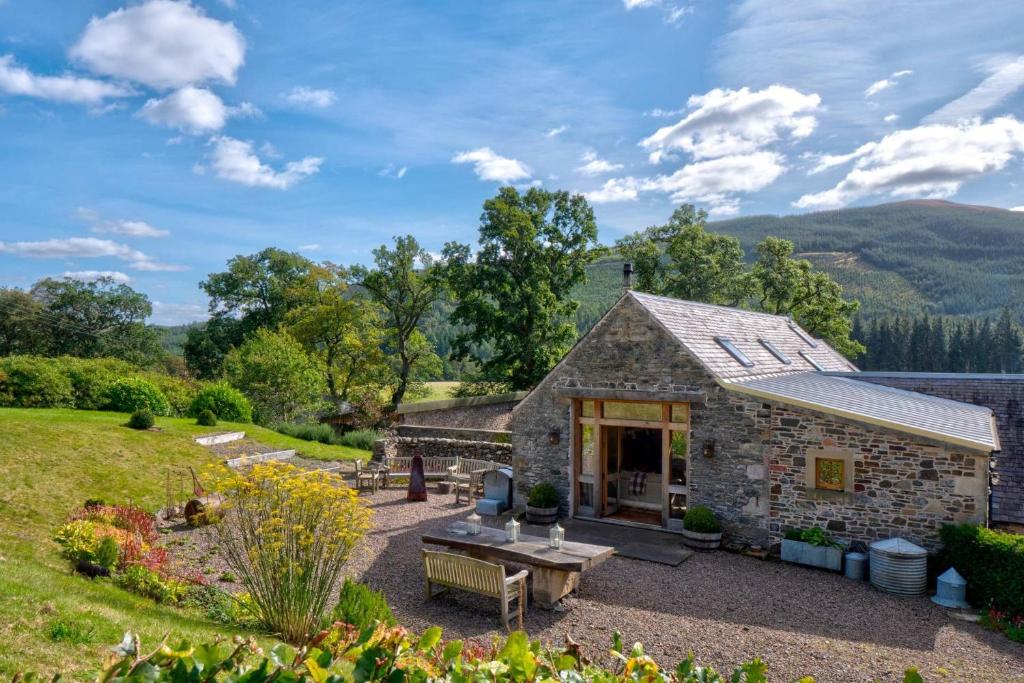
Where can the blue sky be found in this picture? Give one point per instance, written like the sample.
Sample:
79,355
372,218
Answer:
155,140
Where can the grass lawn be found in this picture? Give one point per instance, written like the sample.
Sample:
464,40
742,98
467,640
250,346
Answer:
52,461
438,391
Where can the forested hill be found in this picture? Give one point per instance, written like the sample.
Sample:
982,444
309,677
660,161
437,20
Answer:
905,257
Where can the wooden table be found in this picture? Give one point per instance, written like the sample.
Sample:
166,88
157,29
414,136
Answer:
556,573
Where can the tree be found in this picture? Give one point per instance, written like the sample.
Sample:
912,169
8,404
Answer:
94,319
697,265
515,294
344,332
21,327
255,291
1007,344
784,285
404,284
277,376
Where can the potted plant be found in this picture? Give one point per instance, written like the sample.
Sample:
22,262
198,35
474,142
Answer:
542,505
701,529
812,547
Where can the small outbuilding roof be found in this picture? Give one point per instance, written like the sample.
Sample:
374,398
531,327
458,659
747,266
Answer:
734,344
961,424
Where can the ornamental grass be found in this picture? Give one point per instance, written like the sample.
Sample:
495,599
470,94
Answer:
287,534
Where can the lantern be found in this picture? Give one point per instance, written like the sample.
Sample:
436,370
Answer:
473,524
512,531
556,535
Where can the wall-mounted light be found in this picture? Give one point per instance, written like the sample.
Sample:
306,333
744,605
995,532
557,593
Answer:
554,437
709,448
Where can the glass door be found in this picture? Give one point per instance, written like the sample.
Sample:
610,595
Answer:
611,454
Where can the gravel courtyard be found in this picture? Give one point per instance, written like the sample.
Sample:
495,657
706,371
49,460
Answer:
725,608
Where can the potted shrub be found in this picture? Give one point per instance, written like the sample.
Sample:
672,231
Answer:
812,547
701,529
542,505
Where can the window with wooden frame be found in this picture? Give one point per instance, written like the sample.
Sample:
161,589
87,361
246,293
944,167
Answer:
830,474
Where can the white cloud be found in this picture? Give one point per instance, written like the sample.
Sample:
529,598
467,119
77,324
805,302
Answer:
177,314
633,4
303,96
827,161
659,113
130,229
392,171
309,247
891,118
86,247
886,83
93,275
714,182
157,267
728,122
18,80
1017,208
555,132
236,161
490,166
194,110
927,161
594,165
162,44
1007,78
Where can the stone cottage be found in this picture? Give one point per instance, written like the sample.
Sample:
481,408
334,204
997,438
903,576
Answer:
666,404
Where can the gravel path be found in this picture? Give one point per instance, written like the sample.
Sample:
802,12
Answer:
725,608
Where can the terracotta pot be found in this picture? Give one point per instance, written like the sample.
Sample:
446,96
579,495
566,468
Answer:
702,541
541,515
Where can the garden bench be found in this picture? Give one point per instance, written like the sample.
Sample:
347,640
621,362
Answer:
434,467
467,474
449,570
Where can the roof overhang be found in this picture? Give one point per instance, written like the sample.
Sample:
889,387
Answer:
970,444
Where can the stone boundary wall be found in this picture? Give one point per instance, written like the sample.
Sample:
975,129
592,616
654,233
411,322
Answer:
428,447
456,433
1004,395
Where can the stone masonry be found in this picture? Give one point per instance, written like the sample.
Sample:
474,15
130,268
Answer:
629,350
901,486
432,447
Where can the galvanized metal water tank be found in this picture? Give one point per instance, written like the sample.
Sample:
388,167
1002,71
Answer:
898,566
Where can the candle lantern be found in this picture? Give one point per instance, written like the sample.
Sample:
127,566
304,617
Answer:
473,524
512,531
556,535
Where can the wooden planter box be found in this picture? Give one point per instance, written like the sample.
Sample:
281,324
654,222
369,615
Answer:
541,515
820,556
699,541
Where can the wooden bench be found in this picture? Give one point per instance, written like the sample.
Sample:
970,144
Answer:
467,474
433,467
477,576
372,476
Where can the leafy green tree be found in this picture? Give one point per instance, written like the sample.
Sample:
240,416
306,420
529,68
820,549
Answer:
93,319
276,374
404,284
1007,343
255,292
784,285
514,294
682,259
344,331
21,329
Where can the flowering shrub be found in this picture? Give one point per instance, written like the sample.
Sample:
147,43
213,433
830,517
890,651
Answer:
345,655
1011,626
287,534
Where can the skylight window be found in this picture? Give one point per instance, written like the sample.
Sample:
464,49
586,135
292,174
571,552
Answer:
814,364
803,335
783,358
733,351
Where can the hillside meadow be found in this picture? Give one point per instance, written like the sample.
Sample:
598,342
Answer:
52,461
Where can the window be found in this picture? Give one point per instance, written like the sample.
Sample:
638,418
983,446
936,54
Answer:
740,357
783,358
588,409
813,363
632,411
680,412
830,474
803,335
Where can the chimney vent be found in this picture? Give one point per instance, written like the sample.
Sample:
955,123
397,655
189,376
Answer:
627,275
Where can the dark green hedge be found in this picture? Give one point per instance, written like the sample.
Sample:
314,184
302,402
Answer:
991,561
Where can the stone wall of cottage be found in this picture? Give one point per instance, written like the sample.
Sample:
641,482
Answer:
400,446
629,350
901,486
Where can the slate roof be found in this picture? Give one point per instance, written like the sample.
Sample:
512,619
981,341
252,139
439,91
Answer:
696,325
963,424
